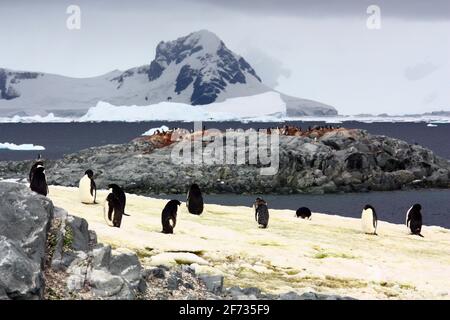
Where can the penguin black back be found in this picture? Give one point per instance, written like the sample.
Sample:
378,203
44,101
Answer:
38,181
261,212
33,168
119,194
93,190
304,213
414,219
169,216
116,204
195,200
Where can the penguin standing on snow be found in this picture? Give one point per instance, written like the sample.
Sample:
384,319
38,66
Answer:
369,220
38,162
38,181
194,200
261,213
304,213
87,188
115,205
414,219
169,216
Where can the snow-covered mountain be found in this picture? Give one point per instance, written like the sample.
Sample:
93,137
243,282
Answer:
197,69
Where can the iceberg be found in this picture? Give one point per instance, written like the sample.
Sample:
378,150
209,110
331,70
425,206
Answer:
264,107
20,147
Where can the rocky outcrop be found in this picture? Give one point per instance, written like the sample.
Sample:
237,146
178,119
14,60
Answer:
24,220
339,160
46,253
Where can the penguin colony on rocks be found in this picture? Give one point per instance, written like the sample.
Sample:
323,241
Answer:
115,203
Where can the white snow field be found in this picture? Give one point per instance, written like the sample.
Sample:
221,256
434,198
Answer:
328,254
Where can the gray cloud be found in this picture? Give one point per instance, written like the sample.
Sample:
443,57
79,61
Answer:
268,68
407,9
420,71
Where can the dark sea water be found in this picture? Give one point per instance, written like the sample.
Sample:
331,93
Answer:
391,206
64,138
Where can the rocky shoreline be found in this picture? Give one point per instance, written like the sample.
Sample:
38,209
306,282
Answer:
48,254
334,161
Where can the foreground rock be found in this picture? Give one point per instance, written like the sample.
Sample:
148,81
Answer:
24,221
46,253
337,161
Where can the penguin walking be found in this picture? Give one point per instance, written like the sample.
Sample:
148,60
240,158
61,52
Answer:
169,216
87,188
261,213
369,220
304,213
414,219
38,181
115,205
194,200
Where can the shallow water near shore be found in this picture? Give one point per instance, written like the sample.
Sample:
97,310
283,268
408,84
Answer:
391,206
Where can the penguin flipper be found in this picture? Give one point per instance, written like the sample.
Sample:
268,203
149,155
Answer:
126,214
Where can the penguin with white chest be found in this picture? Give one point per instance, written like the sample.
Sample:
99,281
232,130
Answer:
369,220
414,219
87,188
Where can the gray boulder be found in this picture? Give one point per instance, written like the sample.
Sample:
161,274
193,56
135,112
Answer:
25,219
101,257
78,227
127,265
214,283
20,276
106,285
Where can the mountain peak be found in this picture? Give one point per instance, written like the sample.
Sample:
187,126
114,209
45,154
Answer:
199,65
196,69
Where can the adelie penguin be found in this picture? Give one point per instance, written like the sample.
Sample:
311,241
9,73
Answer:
169,216
87,188
261,213
369,220
414,219
303,213
194,200
115,205
38,181
38,162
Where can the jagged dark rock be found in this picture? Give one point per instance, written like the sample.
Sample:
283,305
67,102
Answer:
339,161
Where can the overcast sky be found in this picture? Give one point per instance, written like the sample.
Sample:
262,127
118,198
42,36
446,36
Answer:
315,49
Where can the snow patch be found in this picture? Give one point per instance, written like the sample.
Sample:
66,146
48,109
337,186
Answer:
153,130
